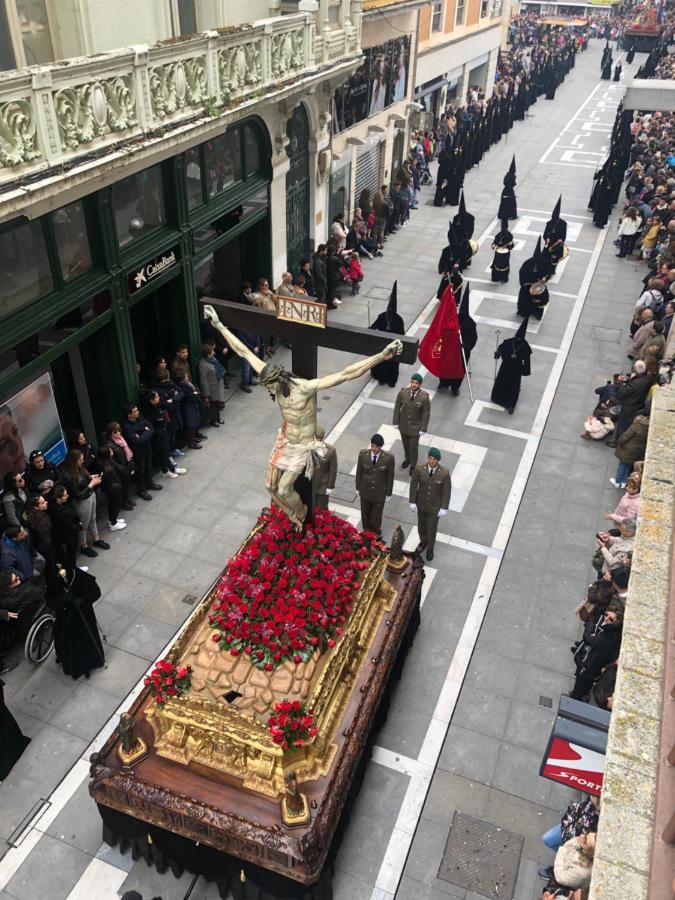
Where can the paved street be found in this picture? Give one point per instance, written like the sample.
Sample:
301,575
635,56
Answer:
471,716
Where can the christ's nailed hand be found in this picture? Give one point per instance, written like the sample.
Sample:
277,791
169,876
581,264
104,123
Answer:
395,348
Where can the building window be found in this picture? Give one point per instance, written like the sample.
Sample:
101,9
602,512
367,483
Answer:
229,220
7,56
496,8
252,161
193,177
459,15
25,267
138,205
222,160
437,16
484,8
35,33
184,17
72,242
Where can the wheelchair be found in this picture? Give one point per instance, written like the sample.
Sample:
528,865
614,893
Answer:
37,634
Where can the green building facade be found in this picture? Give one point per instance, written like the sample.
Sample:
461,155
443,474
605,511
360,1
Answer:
107,283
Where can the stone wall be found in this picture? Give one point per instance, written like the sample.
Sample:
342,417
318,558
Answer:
626,832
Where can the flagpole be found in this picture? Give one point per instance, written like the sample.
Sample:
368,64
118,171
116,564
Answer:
497,334
466,366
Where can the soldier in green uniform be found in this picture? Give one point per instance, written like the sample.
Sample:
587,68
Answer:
411,414
430,489
325,469
374,483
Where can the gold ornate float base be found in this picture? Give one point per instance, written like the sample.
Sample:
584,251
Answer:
211,772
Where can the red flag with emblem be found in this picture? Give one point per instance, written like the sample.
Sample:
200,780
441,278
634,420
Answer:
440,350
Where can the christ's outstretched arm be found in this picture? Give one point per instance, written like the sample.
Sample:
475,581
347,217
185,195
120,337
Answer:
233,342
395,348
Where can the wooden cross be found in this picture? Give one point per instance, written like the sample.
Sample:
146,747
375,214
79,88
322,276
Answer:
305,339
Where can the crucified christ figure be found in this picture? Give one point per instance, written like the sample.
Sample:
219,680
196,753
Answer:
296,439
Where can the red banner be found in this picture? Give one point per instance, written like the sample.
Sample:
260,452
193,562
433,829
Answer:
440,350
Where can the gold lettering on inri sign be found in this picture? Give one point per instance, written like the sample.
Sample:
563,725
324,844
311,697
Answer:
302,310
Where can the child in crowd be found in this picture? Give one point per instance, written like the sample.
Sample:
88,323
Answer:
355,271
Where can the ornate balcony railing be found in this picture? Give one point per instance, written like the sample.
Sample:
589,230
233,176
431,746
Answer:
50,116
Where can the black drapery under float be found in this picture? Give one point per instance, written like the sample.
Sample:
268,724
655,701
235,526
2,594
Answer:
166,850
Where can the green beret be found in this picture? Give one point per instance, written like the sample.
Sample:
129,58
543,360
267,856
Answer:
417,377
435,453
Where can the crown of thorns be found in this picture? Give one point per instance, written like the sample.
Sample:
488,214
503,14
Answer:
270,374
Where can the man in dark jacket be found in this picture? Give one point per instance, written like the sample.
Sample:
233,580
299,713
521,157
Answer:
138,434
319,273
631,395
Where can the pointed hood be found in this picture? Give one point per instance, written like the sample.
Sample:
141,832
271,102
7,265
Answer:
512,167
464,308
522,330
452,235
393,298
537,250
504,224
462,205
555,215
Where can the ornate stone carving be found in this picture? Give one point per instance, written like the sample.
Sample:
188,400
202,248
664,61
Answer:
175,85
287,52
239,67
18,143
90,111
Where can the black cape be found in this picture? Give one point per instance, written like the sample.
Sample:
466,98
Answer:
532,270
12,741
387,372
515,356
507,206
76,638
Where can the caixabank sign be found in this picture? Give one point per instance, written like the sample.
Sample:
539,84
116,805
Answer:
575,753
140,277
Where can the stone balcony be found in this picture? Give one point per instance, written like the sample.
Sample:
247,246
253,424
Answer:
634,855
80,112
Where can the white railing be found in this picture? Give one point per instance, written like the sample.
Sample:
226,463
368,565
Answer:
51,115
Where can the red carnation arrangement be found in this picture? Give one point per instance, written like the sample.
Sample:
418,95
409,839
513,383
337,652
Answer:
293,726
288,593
167,681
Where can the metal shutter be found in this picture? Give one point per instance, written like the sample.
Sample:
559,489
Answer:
368,171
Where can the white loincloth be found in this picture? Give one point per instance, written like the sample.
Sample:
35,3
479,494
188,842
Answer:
295,458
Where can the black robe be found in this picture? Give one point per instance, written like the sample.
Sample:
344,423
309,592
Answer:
630,56
507,206
617,72
602,202
515,356
607,71
501,261
76,639
532,270
555,234
12,741
387,372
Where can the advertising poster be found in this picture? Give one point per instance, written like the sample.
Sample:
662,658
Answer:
30,421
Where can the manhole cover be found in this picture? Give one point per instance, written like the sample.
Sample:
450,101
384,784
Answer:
481,857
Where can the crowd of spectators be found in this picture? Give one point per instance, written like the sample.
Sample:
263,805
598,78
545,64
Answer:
51,517
621,418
